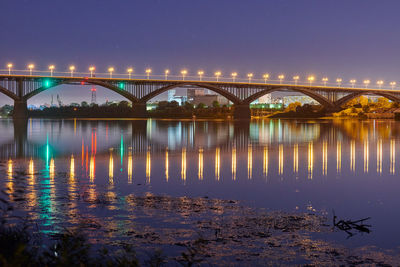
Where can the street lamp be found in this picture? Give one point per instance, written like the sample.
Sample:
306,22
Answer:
92,69
148,71
31,67
51,68
9,66
250,75
379,83
71,69
111,70
366,82
311,79
217,74
339,81
183,72
234,75
325,80
266,77
352,82
166,72
281,77
129,70
392,84
296,78
200,73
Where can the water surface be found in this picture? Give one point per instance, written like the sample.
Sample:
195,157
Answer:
315,166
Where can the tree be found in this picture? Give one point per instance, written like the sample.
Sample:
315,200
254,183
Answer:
123,104
162,105
200,106
173,104
363,100
84,104
188,106
383,102
293,106
215,104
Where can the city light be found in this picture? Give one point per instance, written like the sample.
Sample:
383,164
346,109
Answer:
51,68
266,77
30,68
325,80
281,77
310,79
234,75
339,81
250,75
9,66
352,82
71,69
217,74
200,73
296,79
379,83
129,70
366,83
111,70
47,83
92,69
183,72
148,72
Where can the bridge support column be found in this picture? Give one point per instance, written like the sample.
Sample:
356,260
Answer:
139,110
241,111
20,136
20,109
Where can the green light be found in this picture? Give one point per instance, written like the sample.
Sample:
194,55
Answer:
122,150
47,83
47,151
121,85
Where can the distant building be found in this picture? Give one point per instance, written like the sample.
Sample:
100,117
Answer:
298,98
32,107
196,96
171,95
265,99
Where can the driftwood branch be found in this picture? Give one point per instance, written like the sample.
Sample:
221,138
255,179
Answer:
351,227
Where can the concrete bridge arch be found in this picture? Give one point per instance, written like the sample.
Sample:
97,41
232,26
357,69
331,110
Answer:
339,103
314,95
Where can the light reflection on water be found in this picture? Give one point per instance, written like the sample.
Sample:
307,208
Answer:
349,166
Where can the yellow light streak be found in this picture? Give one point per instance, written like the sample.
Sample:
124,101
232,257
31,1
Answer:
183,164
217,163
200,164
339,156
310,160
249,162
366,156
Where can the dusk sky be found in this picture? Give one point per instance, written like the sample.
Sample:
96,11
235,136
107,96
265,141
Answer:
337,38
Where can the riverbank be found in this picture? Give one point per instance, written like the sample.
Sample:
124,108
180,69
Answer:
180,230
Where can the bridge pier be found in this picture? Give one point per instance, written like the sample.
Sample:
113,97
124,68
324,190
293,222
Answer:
139,110
241,111
20,136
20,109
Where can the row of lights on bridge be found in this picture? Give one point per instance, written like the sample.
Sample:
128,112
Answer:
217,75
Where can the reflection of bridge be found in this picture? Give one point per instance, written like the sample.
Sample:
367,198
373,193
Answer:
20,88
66,137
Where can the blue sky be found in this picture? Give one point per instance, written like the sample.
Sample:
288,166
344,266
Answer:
338,38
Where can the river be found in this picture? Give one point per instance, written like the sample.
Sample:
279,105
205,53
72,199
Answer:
296,166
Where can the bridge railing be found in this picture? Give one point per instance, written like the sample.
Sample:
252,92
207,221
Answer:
197,78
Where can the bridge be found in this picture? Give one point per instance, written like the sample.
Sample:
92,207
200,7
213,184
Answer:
21,88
